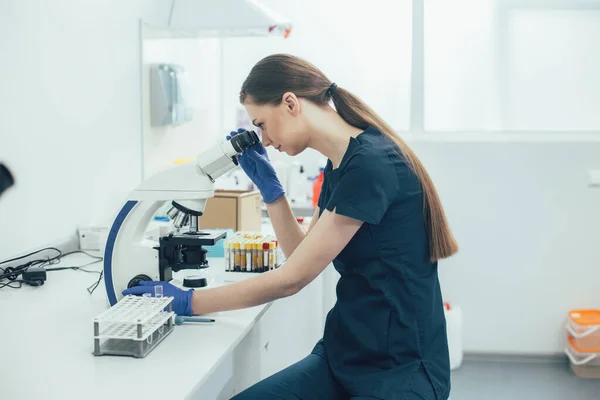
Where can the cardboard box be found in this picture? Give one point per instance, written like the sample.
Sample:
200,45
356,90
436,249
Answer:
233,209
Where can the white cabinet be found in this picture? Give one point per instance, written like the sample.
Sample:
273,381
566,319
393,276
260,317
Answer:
284,334
241,368
292,326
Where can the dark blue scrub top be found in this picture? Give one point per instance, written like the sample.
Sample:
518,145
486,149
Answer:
388,320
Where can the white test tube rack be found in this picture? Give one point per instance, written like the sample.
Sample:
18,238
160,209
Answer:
133,327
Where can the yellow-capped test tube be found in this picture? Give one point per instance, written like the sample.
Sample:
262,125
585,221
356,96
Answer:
236,257
243,255
255,256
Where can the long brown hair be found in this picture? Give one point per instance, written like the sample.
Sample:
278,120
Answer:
274,75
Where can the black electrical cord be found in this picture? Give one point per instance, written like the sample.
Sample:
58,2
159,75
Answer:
11,284
83,252
94,285
76,268
12,273
32,253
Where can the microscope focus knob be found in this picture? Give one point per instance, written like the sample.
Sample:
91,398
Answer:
194,281
137,279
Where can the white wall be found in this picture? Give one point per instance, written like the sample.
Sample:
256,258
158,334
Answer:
200,58
528,226
520,204
70,126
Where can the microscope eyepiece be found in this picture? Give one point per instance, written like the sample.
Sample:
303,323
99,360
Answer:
222,158
242,141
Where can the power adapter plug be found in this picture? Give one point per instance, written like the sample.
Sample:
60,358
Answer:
35,276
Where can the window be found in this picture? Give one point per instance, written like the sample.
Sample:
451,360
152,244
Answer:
552,71
512,65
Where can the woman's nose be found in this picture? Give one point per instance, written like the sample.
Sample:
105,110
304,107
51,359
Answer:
265,139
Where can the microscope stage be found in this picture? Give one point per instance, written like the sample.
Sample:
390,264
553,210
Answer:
204,237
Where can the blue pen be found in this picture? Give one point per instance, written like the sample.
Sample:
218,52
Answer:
180,319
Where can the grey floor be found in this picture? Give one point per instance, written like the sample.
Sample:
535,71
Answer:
494,380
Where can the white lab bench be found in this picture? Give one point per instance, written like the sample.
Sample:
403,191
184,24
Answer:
46,344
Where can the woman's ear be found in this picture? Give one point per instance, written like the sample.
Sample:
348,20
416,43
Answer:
291,103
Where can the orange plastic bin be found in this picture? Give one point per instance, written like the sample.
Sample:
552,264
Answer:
585,363
584,327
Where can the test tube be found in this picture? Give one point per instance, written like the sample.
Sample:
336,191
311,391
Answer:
252,255
249,246
237,256
227,255
276,254
243,256
265,266
231,257
158,291
256,249
259,262
280,256
257,253
271,255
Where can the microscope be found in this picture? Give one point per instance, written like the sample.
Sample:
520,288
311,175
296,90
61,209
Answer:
130,258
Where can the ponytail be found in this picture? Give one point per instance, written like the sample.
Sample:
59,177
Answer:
354,111
278,73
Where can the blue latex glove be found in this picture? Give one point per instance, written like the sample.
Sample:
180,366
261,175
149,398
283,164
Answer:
256,164
182,299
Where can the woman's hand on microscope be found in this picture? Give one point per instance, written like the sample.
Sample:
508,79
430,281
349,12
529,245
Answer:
182,299
256,164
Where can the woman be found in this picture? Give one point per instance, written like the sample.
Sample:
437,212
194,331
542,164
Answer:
380,221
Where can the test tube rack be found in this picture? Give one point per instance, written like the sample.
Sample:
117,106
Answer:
252,252
133,327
